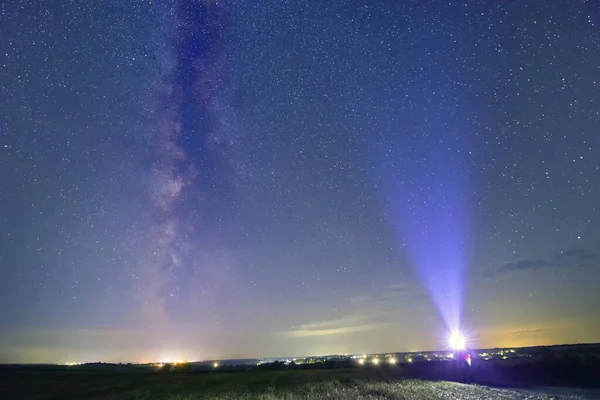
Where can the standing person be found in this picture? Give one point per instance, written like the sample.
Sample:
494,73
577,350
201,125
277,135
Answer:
462,360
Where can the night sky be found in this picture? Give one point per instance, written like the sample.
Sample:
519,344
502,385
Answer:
211,179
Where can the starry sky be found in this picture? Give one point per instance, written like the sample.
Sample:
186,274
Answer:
225,179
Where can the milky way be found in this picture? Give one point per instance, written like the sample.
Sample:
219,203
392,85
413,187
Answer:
191,172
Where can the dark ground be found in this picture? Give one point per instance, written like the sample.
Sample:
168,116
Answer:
133,382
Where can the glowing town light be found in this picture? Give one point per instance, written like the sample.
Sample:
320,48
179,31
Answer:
457,341
361,361
409,360
216,365
392,361
375,361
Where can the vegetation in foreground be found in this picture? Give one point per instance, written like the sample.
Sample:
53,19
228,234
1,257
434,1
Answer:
85,383
335,390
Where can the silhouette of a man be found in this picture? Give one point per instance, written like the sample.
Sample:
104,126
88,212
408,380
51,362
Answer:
462,359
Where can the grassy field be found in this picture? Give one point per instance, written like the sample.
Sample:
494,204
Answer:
334,390
71,383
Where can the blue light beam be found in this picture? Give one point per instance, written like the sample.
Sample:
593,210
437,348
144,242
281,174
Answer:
425,202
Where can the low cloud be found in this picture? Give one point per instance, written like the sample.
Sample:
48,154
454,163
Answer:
370,311
350,320
391,292
523,264
395,290
572,258
362,299
530,331
305,331
576,256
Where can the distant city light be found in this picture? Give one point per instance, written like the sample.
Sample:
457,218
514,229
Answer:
457,341
392,361
361,361
216,365
375,361
409,359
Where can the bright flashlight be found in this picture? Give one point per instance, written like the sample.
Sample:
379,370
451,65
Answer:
457,341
